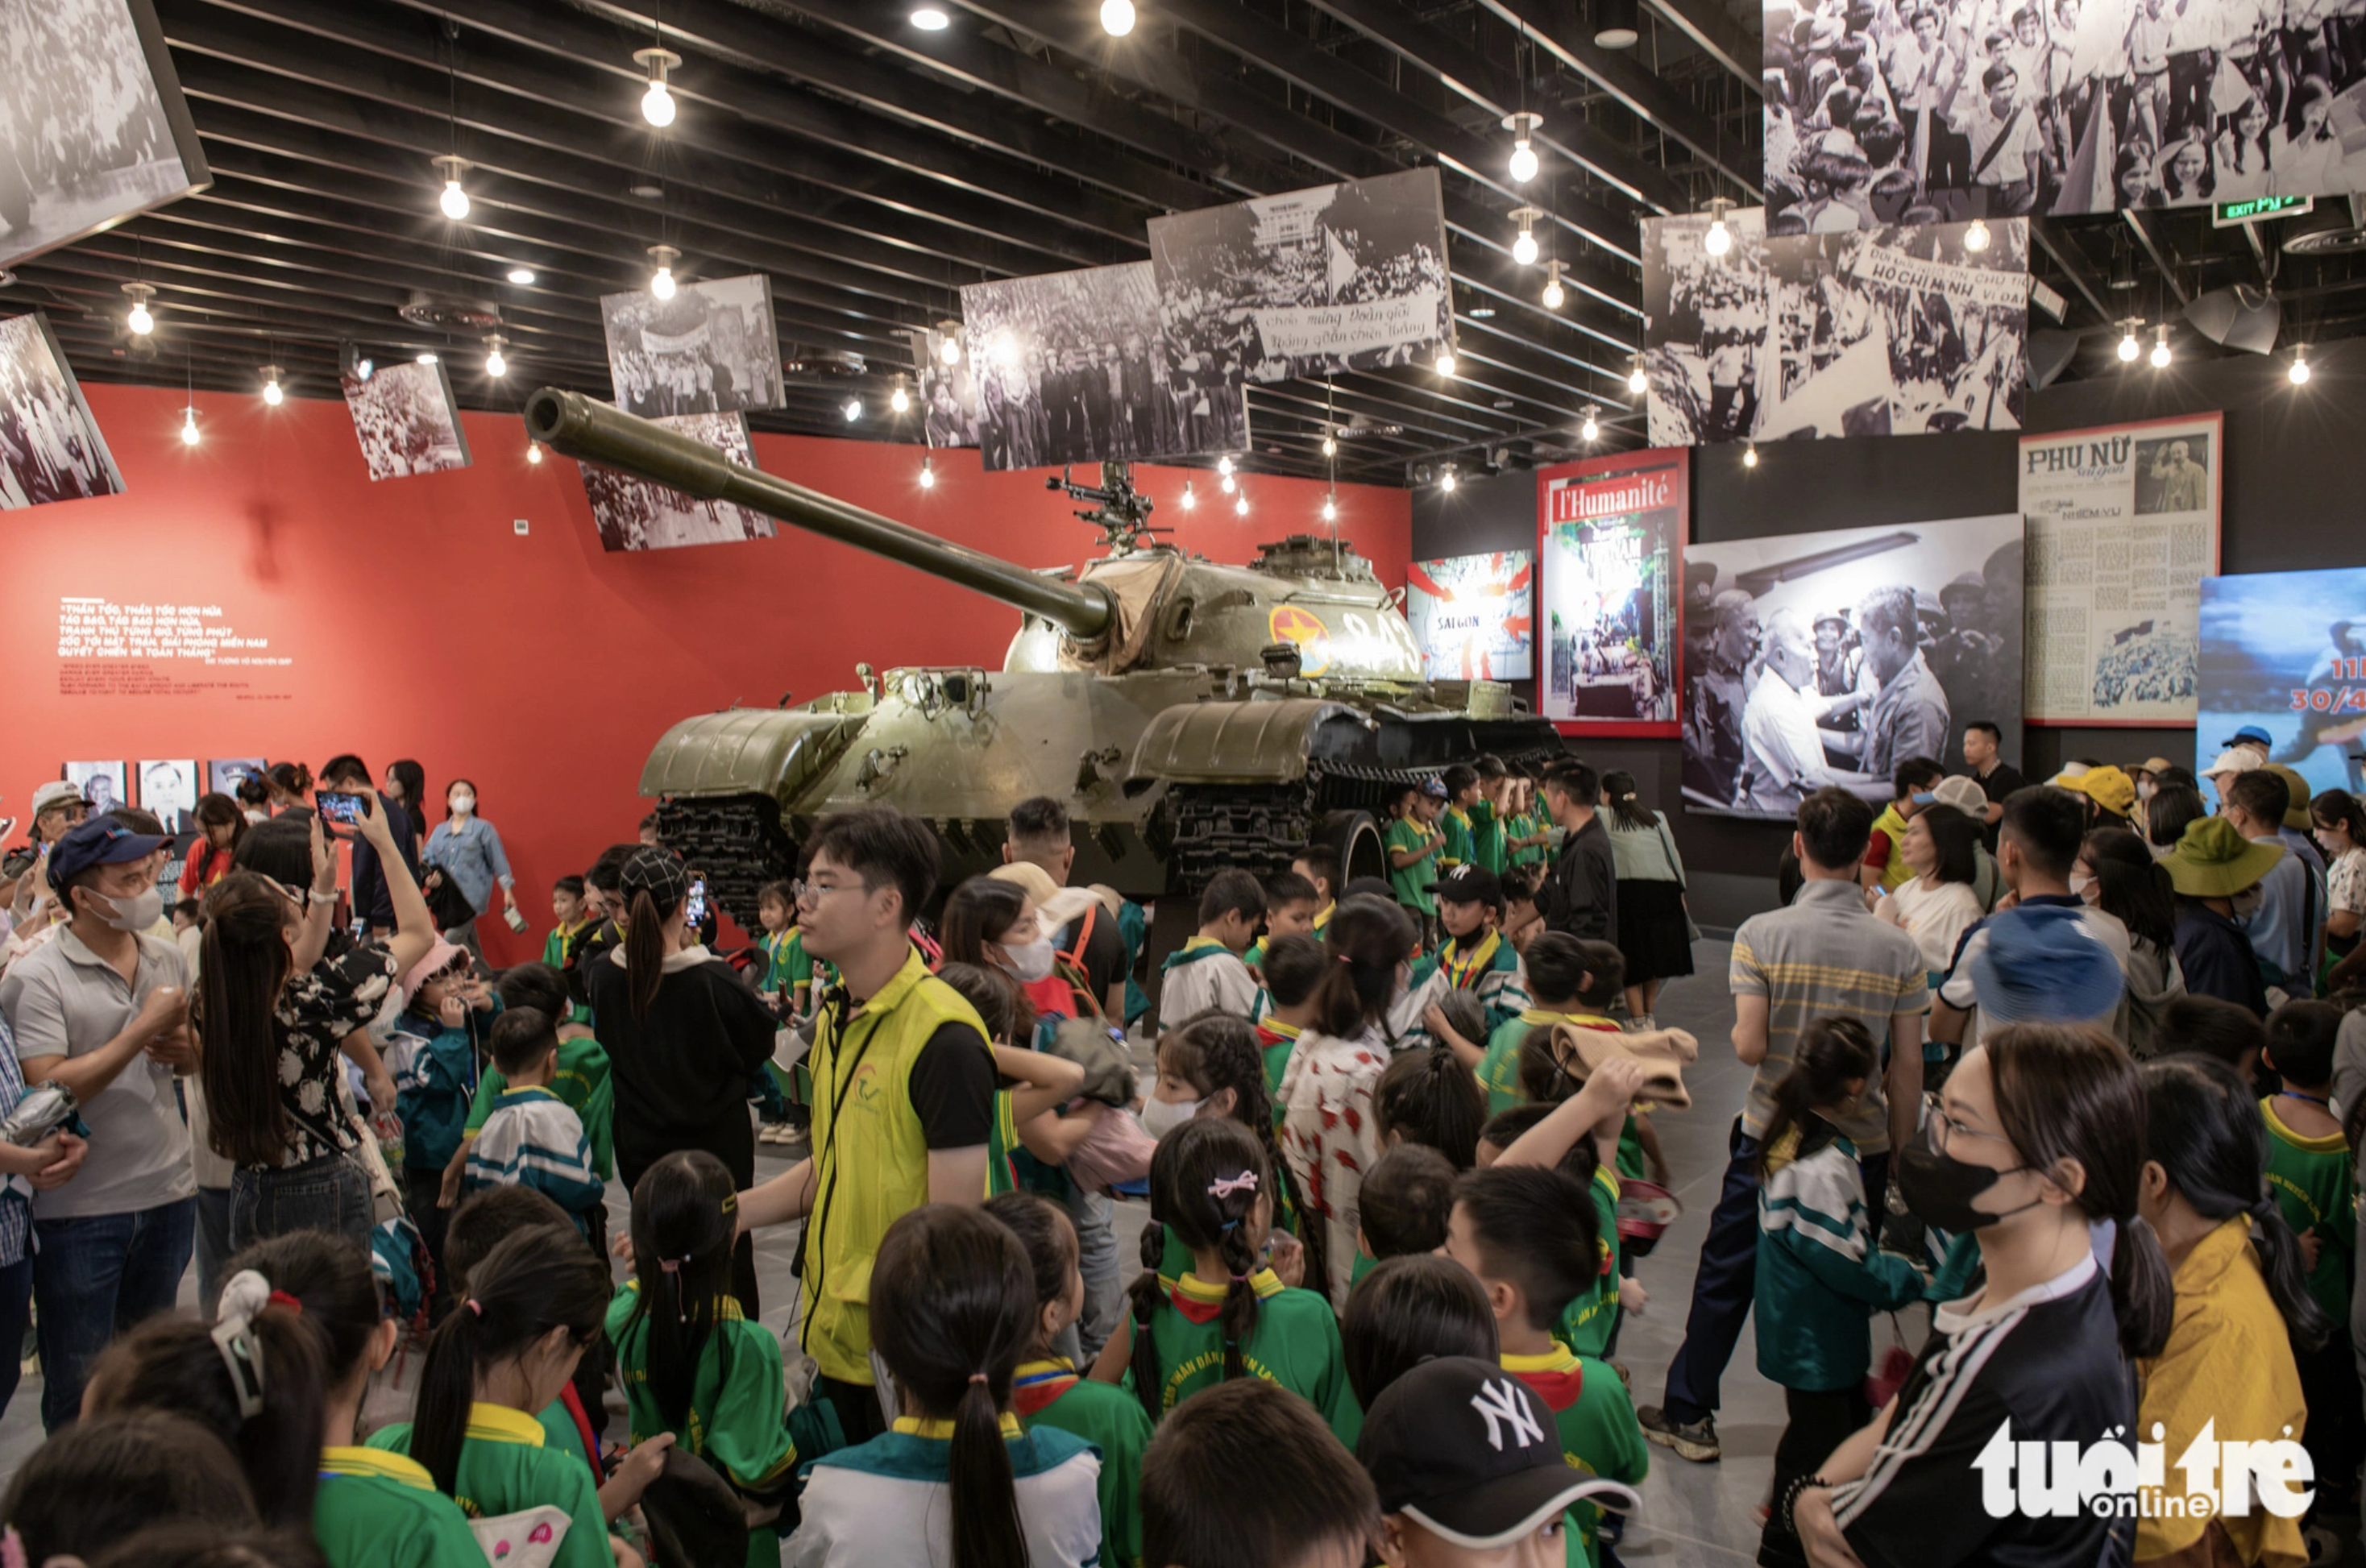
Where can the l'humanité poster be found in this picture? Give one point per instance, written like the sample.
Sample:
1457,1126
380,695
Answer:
1610,538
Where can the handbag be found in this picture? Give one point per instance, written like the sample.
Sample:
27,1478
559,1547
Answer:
1692,927
446,904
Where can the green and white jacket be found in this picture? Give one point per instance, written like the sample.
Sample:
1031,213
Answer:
1821,1274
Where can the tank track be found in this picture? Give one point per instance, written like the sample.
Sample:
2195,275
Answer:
1254,828
736,842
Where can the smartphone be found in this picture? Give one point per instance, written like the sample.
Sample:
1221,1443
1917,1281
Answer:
350,810
697,903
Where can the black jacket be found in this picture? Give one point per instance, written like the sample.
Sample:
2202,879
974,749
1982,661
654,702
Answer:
1581,896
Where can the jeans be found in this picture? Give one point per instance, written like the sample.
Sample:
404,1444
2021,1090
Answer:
1727,1277
213,1246
96,1276
16,1316
1097,1260
331,1193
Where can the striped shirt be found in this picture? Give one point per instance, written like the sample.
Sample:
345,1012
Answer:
1826,954
531,1139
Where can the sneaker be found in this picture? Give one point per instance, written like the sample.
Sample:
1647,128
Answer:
1695,1440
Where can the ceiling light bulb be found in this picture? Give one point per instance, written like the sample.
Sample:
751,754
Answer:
1330,509
656,105
1976,238
1117,17
1225,465
1241,506
1191,497
521,274
949,349
1719,239
1330,445
900,400
1637,382
534,452
140,320
1523,162
929,19
454,201
1524,249
428,357
2299,371
189,428
1446,361
362,367
273,394
1593,427
662,283
1554,293
1445,481
495,363
854,410
1750,456
927,473
2129,347
2160,349
1227,485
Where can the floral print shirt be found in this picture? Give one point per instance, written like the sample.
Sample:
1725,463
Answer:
1330,1137
2345,882
317,1012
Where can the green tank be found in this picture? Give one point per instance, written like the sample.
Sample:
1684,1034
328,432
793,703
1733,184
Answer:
1191,714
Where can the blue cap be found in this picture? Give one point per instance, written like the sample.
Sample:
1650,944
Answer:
1433,787
2252,733
2044,965
102,841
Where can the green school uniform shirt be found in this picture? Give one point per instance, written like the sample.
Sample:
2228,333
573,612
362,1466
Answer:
1455,823
561,1435
1599,1434
738,1419
2310,1178
1630,1151
1499,1067
583,1086
1482,963
1001,1145
1487,838
505,1469
1174,1258
381,1510
1586,1323
1411,882
1276,1040
1049,1394
1296,1345
1527,825
1365,1263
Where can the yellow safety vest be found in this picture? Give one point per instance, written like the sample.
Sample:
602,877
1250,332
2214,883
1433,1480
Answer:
870,1159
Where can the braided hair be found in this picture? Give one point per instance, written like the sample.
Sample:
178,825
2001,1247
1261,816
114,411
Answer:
1215,1050
1206,1182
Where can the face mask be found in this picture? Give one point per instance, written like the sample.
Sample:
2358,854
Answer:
2247,905
2146,790
134,914
1030,963
1160,1117
2083,885
1939,1190
463,804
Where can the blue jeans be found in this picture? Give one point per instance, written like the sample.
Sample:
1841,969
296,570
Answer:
1097,1260
16,1316
331,1193
213,1246
95,1278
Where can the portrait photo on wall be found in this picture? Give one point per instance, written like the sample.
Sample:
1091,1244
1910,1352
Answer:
224,774
710,348
170,790
1315,282
1933,111
1888,330
635,514
2286,651
1610,545
50,448
1825,659
1070,369
95,128
101,785
406,420
947,393
1473,616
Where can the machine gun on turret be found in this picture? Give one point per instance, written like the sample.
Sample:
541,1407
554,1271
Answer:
1120,512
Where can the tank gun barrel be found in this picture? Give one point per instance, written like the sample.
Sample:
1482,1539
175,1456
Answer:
583,428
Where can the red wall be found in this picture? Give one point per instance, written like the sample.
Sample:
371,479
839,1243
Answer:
418,623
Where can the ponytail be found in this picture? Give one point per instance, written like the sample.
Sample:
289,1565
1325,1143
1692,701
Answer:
1205,1180
1145,1294
685,1228
1215,1050
953,1308
534,1281
1429,1097
1831,1052
1366,939
243,966
643,951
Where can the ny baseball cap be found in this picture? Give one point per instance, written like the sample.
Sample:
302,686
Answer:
1467,1449
102,841
1470,885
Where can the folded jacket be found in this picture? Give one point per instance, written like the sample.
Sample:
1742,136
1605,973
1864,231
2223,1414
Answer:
1663,1052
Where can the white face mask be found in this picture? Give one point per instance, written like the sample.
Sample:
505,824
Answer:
134,914
2147,789
1160,1117
1032,961
463,804
2084,887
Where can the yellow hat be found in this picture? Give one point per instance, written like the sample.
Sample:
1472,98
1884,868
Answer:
2107,786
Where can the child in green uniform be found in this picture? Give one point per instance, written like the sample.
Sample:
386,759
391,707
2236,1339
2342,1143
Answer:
1475,957
582,1081
1290,902
1425,1097
1401,1212
1571,981
1489,816
1293,966
571,1424
2309,1170
1031,1086
1319,863
1414,846
1228,1316
572,913
1046,1391
689,1363
1213,1066
1461,783
535,1304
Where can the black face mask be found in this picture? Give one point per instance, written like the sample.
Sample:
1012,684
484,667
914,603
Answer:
1939,1189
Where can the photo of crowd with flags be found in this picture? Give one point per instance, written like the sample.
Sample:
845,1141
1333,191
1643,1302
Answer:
49,447
1923,111
635,514
1893,331
406,421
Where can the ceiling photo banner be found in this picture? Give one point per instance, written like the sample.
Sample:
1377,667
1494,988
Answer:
1610,540
1941,111
2123,523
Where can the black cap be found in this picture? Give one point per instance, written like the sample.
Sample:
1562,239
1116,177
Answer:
1473,1454
1470,885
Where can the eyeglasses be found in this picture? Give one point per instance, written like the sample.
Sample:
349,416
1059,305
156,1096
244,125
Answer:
815,892
1940,1127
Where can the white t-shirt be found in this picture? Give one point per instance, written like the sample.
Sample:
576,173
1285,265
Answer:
1937,918
1786,753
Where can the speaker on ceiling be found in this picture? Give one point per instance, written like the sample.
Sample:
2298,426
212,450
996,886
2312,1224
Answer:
2237,317
2050,350
1615,24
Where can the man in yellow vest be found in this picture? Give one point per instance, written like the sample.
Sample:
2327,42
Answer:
903,1091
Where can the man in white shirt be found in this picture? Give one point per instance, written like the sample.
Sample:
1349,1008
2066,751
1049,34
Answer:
2005,143
1784,753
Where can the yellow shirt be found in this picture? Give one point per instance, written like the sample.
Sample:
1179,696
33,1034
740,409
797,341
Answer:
2228,1360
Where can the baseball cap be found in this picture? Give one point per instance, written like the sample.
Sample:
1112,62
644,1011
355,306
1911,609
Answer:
2108,787
1469,1450
1369,887
1962,793
1435,788
660,874
102,841
54,793
2252,735
2234,760
2042,965
1470,885
2155,765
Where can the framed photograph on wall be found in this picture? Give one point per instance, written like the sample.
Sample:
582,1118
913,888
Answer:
170,790
101,131
224,774
406,421
713,347
101,784
1474,617
50,448
635,514
1610,543
2286,651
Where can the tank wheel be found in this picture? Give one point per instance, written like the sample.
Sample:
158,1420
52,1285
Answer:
1357,837
737,841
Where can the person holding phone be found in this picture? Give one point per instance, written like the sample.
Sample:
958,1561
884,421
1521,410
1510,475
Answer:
467,851
343,778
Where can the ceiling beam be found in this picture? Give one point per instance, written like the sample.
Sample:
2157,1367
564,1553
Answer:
1734,47
2163,257
2062,246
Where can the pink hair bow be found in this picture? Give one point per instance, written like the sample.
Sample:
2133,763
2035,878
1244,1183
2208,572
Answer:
1225,1186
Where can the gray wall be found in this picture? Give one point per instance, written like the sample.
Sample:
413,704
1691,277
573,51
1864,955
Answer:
2292,503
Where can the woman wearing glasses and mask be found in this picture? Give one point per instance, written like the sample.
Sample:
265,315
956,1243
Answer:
2035,1146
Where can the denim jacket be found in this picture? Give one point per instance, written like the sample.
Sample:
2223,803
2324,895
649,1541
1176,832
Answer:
472,857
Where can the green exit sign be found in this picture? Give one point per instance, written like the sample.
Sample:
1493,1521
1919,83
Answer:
2227,214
